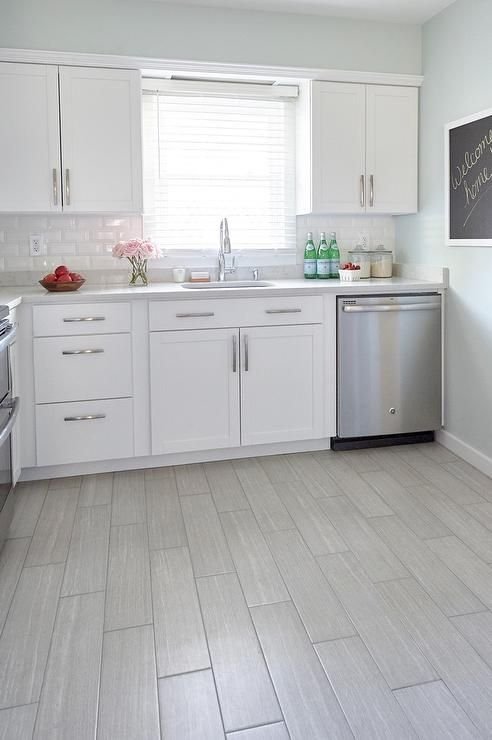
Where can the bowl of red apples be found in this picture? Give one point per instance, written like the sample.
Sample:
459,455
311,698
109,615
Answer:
349,272
62,280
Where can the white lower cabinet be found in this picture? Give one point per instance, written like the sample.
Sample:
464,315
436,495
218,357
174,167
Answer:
219,388
282,396
194,378
84,431
210,388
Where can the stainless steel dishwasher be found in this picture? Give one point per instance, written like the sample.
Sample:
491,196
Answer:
388,365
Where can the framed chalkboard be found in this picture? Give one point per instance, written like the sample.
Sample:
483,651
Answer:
468,179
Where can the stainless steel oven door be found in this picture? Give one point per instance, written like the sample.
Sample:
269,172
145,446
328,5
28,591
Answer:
5,380
9,411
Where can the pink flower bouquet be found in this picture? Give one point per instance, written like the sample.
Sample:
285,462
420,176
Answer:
137,252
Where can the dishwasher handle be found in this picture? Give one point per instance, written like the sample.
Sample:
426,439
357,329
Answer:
381,308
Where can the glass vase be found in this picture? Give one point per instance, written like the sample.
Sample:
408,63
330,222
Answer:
138,274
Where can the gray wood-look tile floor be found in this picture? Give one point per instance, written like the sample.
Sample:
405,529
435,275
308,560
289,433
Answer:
309,596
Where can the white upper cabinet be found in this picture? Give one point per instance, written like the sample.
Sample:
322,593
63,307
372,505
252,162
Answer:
29,138
392,149
357,148
101,139
92,162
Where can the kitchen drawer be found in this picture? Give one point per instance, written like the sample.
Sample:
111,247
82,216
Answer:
213,313
82,368
72,319
61,438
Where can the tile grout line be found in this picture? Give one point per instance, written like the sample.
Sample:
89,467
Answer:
98,704
201,609
152,607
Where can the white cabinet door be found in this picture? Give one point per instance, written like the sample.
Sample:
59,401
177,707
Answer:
29,138
338,147
101,139
392,149
194,378
282,396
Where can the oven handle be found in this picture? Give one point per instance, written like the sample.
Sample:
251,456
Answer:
390,307
14,405
8,337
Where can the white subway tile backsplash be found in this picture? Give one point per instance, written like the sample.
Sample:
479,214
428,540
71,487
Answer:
85,243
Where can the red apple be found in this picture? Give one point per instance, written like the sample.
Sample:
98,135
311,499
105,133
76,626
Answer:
50,278
64,278
61,270
76,277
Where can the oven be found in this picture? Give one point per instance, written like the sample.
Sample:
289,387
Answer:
9,410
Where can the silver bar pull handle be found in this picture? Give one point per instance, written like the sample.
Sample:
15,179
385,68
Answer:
392,308
283,310
362,191
203,314
55,186
371,191
67,187
82,352
70,319
234,354
246,354
85,417
14,406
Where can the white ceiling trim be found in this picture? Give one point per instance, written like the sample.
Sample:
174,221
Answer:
149,65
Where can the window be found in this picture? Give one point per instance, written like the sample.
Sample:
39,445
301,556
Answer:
219,149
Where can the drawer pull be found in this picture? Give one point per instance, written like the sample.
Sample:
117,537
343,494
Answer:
85,318
87,417
283,310
234,354
246,354
194,315
82,352
67,187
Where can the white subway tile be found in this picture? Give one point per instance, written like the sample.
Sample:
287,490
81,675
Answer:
53,235
19,263
9,250
61,249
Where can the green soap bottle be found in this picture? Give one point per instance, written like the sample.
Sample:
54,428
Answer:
310,258
323,261
334,257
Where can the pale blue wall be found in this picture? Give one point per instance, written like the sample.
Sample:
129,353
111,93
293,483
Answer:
457,66
156,29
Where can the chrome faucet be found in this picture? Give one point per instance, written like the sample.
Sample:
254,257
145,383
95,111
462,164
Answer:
225,248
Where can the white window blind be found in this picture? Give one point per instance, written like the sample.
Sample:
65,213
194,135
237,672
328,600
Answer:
218,150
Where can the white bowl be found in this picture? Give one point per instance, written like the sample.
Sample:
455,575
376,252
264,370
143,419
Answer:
349,276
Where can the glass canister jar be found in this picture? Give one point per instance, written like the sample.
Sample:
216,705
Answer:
381,262
361,257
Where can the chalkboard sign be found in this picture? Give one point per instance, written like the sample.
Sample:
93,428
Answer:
468,153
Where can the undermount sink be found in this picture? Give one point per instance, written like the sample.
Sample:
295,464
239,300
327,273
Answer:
227,284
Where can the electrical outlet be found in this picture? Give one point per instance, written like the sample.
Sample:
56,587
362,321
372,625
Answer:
36,245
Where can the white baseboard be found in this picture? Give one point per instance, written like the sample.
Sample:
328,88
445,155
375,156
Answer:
468,453
157,461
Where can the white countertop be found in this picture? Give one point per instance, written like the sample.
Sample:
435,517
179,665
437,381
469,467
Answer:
172,291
